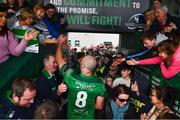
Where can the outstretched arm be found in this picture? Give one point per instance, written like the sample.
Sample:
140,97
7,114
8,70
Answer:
17,49
62,41
149,61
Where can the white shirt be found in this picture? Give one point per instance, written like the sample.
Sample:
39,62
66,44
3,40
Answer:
121,80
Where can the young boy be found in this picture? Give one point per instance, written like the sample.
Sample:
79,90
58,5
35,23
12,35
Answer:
125,77
150,41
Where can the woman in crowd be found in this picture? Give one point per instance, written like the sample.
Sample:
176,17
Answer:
120,107
160,98
169,58
9,44
149,18
25,19
140,101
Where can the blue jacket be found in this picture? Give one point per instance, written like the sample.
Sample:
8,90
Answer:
52,27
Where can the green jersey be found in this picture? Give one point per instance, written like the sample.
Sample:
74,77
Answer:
83,91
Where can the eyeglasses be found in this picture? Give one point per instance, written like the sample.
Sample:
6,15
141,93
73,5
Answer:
122,100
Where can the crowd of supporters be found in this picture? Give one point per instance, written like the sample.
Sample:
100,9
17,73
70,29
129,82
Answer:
94,83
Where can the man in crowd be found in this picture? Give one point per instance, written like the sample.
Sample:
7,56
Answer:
164,22
150,40
19,104
48,83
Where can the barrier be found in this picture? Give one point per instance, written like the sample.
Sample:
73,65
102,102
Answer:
152,75
27,65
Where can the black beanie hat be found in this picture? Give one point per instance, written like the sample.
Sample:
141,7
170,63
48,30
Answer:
3,7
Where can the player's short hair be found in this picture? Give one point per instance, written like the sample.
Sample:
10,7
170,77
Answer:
90,63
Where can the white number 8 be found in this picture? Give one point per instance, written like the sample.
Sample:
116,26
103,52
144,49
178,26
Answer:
81,99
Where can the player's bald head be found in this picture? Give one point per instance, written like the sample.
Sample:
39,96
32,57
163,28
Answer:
89,62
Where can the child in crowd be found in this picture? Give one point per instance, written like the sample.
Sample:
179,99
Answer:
125,78
39,25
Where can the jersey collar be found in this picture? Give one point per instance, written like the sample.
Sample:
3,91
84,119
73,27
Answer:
8,95
87,77
47,74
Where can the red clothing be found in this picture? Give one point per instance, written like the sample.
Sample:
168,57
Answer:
171,70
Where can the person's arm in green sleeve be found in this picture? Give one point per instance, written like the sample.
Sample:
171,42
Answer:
62,41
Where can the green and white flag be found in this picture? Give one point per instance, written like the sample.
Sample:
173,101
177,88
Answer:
33,45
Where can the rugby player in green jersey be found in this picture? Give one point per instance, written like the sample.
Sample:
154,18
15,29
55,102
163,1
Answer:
86,90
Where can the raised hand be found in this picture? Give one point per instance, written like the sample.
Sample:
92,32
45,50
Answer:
61,88
62,39
29,35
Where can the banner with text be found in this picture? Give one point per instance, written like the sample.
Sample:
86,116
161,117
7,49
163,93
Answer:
102,15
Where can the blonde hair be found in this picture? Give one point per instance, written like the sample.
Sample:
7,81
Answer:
39,7
26,13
